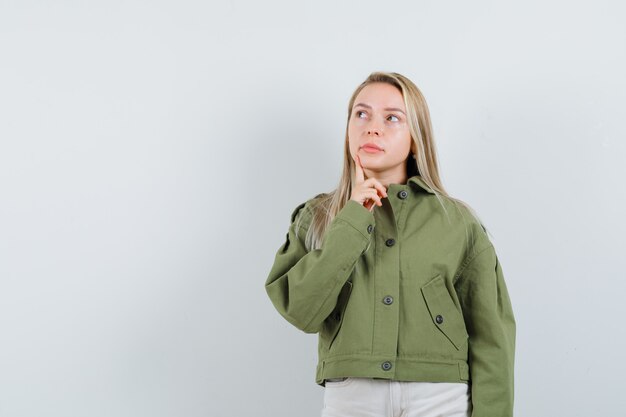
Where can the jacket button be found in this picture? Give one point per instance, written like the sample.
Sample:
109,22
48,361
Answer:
386,365
439,319
390,242
370,228
388,300
403,194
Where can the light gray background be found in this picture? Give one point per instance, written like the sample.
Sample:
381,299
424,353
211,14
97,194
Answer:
152,152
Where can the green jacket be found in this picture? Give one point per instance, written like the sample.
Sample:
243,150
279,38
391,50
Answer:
405,292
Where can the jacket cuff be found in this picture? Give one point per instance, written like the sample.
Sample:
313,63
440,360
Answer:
357,216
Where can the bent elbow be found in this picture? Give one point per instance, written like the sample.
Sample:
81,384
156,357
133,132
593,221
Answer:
312,327
303,324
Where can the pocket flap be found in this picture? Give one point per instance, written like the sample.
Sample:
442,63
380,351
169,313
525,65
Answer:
443,312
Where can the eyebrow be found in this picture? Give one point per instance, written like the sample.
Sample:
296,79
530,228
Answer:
388,108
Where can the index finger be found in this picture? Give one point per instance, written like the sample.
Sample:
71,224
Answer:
359,174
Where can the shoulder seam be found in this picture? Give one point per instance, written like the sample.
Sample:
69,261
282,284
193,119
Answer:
470,259
295,211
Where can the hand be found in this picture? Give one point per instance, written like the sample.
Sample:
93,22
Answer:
367,192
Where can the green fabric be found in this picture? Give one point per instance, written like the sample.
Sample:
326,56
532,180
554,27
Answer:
449,318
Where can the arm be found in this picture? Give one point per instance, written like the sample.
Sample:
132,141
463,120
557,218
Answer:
491,326
304,286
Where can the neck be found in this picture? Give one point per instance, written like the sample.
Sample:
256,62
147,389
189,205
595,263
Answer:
387,177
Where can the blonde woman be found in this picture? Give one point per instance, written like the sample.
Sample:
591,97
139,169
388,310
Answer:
399,279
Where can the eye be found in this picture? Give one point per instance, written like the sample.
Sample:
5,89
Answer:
392,115
358,112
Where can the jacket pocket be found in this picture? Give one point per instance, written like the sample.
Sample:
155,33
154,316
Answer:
333,322
443,312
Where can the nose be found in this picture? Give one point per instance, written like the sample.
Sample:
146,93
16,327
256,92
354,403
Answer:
373,129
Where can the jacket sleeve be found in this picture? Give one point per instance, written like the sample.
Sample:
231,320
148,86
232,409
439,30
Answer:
491,326
304,285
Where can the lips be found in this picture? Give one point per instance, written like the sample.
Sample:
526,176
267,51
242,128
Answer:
371,147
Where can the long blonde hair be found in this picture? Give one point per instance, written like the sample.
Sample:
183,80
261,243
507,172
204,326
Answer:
424,162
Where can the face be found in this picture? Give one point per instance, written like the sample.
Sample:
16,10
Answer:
378,120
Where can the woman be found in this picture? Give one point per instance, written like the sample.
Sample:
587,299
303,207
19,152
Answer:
400,280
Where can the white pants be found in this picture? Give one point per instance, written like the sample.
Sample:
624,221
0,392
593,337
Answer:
369,397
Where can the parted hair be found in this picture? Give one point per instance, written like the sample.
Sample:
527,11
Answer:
421,160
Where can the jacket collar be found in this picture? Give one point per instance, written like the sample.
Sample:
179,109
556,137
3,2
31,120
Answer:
417,180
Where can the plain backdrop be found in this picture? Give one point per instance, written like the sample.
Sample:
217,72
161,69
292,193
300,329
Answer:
151,153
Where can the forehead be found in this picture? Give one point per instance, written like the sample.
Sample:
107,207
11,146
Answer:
380,95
